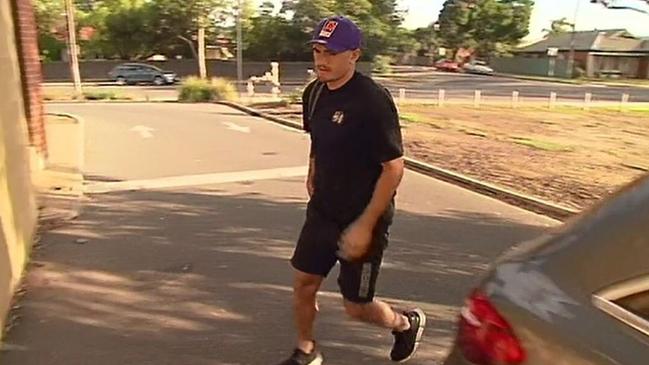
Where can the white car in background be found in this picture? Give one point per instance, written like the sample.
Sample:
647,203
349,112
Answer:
478,67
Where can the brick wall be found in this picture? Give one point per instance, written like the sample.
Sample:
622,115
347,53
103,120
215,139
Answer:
30,66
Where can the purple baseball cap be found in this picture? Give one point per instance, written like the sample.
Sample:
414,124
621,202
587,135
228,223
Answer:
338,34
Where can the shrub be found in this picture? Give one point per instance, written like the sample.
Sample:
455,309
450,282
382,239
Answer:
99,95
195,90
381,64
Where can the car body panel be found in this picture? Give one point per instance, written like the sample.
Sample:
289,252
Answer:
548,288
447,65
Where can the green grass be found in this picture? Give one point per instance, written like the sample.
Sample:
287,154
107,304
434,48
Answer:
641,109
295,97
412,118
419,119
540,144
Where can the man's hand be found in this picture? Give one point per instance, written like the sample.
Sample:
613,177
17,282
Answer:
355,241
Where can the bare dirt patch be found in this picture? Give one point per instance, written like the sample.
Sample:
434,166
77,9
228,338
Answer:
568,156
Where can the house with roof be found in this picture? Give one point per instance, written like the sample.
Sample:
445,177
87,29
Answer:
598,53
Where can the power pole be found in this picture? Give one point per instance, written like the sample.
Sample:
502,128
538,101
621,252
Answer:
571,56
239,45
202,69
73,48
612,4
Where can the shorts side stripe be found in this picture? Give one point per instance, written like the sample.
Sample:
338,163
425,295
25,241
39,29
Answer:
366,276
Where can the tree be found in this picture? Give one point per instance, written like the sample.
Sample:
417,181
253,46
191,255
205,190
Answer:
273,38
174,24
489,26
225,19
51,27
137,29
454,23
427,40
127,32
558,26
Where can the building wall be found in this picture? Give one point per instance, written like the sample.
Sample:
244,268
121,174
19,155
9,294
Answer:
529,66
629,66
643,68
591,64
18,213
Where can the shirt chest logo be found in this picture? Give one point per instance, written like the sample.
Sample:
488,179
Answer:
338,117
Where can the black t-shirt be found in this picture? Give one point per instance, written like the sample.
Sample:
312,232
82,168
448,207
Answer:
354,129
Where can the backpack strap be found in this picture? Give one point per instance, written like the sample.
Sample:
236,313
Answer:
314,96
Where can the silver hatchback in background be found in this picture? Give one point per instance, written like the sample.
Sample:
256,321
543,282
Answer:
478,68
136,73
575,296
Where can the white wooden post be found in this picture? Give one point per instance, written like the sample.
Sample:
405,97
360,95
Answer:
553,100
402,95
587,100
251,88
624,102
515,97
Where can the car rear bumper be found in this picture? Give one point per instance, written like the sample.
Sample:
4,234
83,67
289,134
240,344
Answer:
171,79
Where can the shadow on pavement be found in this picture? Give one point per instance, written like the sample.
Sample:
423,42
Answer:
162,277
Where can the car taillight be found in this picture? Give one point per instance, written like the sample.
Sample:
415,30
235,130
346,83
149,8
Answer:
484,335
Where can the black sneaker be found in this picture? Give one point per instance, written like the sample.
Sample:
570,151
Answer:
299,357
406,342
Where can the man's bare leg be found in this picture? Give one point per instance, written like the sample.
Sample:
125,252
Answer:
407,328
305,289
378,313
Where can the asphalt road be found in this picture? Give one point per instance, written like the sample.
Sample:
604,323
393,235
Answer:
186,240
463,86
426,85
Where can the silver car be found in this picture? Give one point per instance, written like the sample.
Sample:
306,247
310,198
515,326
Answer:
478,68
575,296
136,73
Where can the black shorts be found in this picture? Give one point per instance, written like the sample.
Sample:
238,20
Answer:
316,249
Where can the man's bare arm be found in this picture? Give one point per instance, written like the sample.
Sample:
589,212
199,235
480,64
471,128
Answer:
310,180
356,239
384,191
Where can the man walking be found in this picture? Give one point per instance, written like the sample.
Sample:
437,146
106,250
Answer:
356,165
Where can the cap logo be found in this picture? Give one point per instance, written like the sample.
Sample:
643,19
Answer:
328,28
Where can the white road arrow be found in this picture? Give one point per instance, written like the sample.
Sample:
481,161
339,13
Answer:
236,127
144,131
